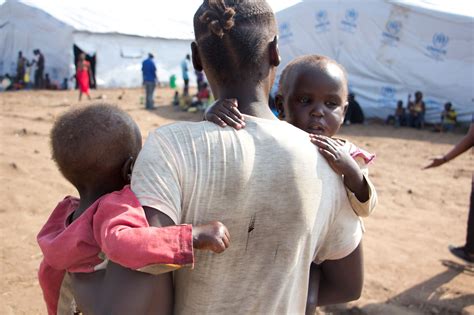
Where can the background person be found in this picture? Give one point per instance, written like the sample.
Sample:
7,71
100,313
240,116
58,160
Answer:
465,252
149,80
39,61
354,114
21,65
185,73
84,76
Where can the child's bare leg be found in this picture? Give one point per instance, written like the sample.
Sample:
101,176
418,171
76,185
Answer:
80,95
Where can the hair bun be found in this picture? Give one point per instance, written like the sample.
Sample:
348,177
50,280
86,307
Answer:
220,19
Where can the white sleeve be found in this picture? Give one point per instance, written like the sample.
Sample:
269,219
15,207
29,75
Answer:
343,235
363,209
155,177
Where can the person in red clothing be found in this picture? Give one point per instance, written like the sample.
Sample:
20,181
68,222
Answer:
84,76
94,148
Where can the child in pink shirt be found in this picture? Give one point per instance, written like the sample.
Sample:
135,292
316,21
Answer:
94,148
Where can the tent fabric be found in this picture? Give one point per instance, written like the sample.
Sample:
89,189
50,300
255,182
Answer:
390,49
55,27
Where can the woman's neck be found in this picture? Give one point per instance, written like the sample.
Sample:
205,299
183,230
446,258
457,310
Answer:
252,99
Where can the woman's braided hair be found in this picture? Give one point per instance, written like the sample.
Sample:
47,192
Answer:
233,35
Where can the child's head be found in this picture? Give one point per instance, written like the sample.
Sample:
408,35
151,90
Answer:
312,94
95,146
400,104
418,96
448,106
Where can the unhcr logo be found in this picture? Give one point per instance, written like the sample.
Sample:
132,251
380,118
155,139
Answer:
322,21
437,49
285,33
349,22
387,96
392,29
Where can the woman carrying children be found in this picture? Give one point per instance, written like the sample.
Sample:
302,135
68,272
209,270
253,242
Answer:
283,213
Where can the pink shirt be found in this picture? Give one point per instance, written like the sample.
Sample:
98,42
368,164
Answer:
114,225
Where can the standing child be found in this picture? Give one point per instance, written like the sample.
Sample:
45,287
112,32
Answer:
94,148
312,95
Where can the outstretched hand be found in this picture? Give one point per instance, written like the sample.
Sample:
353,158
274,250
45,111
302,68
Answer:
213,236
435,162
225,113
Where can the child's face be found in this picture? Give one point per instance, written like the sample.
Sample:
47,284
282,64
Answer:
316,100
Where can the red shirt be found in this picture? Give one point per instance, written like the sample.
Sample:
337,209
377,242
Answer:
114,225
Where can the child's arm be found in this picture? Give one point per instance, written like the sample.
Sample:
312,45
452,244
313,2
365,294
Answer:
125,238
363,209
342,163
225,112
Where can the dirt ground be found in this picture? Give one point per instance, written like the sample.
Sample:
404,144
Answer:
408,269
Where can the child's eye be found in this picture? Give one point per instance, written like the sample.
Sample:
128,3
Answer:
304,100
331,104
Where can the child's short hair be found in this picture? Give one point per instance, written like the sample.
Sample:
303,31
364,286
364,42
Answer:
233,35
304,62
94,142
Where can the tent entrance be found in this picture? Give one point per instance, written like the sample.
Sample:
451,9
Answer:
90,58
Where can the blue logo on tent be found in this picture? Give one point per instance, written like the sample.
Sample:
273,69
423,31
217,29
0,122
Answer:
387,96
388,92
440,40
349,22
322,21
392,29
437,50
286,35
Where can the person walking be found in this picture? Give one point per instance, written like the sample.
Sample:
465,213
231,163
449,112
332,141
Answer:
149,80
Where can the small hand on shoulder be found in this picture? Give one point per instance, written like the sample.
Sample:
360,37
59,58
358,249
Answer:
213,236
225,113
332,149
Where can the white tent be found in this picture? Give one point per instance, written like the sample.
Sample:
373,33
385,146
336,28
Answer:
390,49
119,36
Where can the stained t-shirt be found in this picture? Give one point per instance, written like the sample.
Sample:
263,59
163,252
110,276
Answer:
283,205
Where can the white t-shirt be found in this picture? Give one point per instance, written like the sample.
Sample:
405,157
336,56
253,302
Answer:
283,205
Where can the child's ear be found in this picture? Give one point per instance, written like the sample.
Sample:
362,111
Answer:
275,58
279,106
127,169
195,57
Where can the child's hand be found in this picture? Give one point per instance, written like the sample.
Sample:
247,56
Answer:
213,236
339,160
343,164
225,112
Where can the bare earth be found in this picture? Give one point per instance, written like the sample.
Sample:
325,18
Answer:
408,267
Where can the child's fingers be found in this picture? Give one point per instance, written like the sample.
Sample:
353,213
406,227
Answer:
324,144
226,241
230,119
226,232
215,119
328,155
233,108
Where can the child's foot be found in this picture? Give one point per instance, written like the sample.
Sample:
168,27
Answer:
460,252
